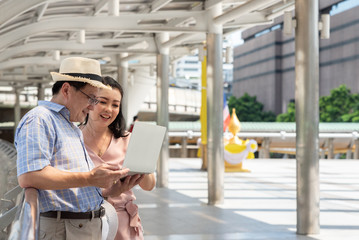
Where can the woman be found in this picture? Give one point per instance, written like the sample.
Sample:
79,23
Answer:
106,141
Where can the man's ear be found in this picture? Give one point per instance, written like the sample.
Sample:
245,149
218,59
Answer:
65,90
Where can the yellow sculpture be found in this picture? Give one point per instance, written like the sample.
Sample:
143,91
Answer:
235,149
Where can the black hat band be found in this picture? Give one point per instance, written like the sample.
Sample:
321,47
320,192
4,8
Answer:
85,75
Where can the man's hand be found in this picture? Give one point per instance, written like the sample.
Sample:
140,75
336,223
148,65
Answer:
104,175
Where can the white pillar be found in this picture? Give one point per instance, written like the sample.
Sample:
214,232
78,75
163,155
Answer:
17,107
122,76
307,115
162,86
215,145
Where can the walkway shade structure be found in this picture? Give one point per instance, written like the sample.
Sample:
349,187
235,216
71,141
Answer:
129,37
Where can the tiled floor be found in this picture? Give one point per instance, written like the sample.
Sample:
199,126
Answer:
257,205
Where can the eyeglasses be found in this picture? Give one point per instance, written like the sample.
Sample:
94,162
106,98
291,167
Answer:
91,100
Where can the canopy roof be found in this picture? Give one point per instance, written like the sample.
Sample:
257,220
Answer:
36,34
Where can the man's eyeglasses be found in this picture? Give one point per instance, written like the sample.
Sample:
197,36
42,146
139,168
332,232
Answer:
91,100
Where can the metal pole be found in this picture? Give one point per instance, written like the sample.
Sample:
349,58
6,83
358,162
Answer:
122,75
214,110
17,108
203,116
162,109
307,115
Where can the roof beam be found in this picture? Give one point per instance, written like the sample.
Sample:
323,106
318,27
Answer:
158,4
99,6
41,11
241,10
126,23
89,46
12,9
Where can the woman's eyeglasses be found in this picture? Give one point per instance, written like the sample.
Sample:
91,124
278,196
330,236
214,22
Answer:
92,100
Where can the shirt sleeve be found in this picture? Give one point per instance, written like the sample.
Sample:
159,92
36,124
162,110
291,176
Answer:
34,141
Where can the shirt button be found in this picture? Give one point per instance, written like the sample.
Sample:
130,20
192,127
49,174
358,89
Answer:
80,225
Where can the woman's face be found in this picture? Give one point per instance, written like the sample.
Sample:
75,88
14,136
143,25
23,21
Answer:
108,107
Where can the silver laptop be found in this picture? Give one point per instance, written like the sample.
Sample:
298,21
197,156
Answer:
144,148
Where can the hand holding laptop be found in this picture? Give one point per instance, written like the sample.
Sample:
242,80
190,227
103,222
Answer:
125,184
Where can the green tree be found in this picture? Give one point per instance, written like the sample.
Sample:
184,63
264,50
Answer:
353,115
340,106
338,103
289,116
248,109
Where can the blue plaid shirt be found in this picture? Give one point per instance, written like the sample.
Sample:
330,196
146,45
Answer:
45,136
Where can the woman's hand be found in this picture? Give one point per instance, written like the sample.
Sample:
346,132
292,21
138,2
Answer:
123,185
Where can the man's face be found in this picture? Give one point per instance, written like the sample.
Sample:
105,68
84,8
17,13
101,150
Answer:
79,103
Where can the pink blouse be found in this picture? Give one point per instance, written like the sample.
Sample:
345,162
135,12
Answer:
125,208
114,155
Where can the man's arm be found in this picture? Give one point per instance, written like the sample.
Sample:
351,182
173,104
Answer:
51,178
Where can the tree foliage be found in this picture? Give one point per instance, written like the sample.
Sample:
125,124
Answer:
248,109
289,116
340,106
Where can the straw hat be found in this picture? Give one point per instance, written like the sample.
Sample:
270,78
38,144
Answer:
79,69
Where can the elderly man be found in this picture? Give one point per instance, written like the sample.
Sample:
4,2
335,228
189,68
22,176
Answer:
51,155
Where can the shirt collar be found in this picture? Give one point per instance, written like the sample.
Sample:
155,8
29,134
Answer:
56,108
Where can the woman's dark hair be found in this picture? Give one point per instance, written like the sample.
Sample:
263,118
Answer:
118,126
57,86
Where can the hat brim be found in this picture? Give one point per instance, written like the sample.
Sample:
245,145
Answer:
63,77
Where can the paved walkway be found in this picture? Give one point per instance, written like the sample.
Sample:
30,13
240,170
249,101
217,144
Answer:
257,205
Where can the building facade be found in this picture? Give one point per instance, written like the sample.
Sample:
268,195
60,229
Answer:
264,66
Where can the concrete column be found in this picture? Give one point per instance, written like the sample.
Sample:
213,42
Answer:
356,151
349,151
215,109
322,153
330,148
162,86
17,108
307,115
264,152
40,92
184,147
122,78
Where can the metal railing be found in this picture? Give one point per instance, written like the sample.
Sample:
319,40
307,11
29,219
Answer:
174,107
18,208
26,223
285,142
